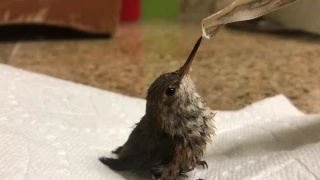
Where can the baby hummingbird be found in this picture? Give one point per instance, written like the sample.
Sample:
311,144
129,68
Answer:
171,137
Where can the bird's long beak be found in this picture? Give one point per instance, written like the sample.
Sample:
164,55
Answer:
187,65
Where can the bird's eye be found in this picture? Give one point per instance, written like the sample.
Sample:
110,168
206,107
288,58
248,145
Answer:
170,91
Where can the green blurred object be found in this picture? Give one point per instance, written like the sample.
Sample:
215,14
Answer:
160,9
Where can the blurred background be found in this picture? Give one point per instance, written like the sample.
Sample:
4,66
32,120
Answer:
123,45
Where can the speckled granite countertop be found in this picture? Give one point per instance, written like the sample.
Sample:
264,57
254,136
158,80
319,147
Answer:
231,71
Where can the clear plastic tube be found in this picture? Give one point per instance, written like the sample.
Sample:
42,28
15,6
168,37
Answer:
240,10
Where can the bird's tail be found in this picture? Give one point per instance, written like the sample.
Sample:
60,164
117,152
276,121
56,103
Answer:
120,165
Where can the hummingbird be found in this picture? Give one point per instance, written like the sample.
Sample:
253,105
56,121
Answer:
171,138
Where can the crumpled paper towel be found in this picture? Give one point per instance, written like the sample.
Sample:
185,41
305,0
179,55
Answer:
52,129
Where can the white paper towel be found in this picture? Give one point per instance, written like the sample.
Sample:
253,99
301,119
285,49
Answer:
52,129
